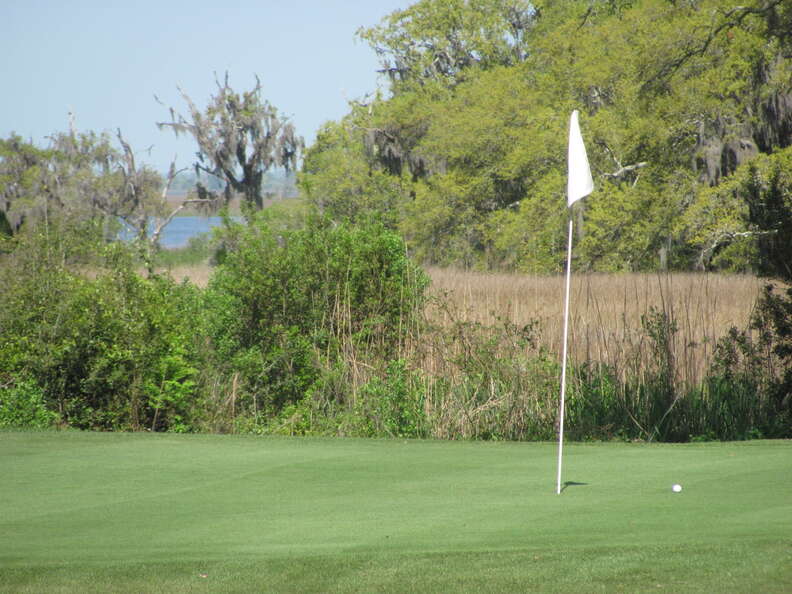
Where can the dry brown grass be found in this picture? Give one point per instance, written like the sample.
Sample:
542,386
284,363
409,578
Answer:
198,274
606,310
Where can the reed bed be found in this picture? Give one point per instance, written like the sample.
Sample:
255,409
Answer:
608,312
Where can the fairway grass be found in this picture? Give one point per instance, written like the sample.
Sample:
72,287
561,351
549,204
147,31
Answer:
102,512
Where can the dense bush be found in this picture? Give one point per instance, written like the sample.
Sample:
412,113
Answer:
290,307
105,347
22,406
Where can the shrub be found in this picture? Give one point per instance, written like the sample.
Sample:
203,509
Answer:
392,405
22,406
286,304
107,348
489,382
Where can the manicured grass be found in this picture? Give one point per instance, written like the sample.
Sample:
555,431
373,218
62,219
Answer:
166,513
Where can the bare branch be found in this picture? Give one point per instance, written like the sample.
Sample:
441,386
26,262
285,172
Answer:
622,170
724,238
172,173
625,169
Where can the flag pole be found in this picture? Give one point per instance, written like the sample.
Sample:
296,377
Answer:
564,359
579,184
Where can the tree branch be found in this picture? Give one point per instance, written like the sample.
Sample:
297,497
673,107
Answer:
724,238
732,18
624,169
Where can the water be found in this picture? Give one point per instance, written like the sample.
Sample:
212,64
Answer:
181,229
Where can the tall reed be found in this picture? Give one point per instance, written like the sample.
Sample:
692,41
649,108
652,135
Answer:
606,311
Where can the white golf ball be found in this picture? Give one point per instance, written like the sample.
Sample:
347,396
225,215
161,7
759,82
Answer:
676,488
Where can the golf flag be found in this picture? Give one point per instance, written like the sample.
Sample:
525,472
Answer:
579,182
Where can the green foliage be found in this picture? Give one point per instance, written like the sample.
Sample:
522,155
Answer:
286,303
440,40
773,321
22,406
393,405
745,222
674,97
769,198
318,330
170,387
338,179
107,351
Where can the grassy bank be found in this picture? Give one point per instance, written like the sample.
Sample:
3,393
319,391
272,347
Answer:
141,512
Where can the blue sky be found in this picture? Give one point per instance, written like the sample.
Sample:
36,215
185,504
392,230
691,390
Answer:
105,61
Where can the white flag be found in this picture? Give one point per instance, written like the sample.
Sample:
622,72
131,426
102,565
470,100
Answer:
579,182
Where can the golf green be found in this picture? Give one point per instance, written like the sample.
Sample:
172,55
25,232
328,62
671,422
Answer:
154,512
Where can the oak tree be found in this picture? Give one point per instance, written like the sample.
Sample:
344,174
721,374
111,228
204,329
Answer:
240,137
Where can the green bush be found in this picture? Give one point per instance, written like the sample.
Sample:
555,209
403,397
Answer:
107,348
392,405
22,406
285,304
595,408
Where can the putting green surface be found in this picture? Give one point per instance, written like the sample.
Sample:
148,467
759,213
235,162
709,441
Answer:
143,512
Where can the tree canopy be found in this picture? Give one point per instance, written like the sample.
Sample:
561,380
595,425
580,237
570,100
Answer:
676,98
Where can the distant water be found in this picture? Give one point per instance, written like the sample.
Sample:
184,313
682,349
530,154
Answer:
180,229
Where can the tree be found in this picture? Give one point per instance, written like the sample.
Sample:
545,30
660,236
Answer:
769,199
240,138
21,165
675,97
339,179
90,178
437,40
84,177
74,177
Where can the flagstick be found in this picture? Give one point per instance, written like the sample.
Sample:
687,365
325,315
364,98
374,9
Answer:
564,358
579,184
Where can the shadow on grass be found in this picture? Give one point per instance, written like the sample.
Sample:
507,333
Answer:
571,484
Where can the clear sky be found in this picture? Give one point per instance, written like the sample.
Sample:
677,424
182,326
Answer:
104,60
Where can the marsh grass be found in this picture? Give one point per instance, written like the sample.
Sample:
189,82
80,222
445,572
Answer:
197,274
646,356
608,312
606,309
